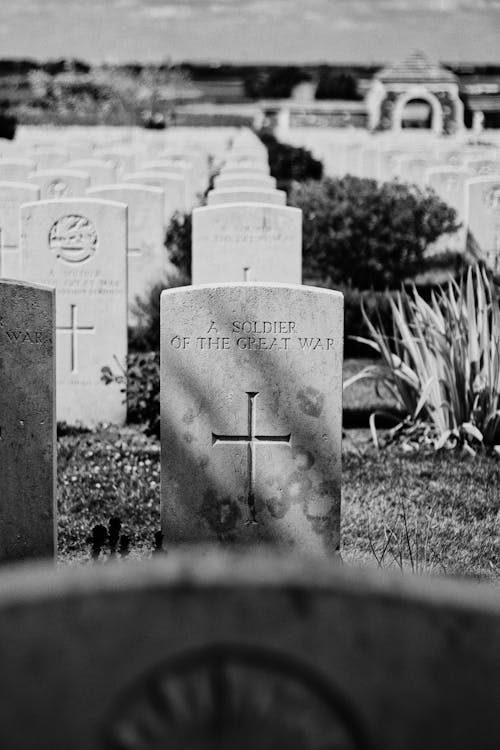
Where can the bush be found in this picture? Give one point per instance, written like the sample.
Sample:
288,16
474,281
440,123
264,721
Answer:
178,242
441,361
145,335
8,125
289,163
368,235
140,385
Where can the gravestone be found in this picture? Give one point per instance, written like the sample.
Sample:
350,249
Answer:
247,242
147,257
60,183
251,414
183,169
412,168
50,158
449,183
27,422
251,179
100,171
80,247
122,157
479,166
245,169
173,186
203,651
16,170
12,196
246,195
483,218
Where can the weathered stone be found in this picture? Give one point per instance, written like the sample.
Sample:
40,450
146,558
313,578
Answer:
12,196
250,179
147,255
27,421
60,183
483,218
251,413
16,170
246,195
100,171
173,186
206,651
80,247
247,242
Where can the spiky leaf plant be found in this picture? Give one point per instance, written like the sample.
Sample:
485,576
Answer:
441,362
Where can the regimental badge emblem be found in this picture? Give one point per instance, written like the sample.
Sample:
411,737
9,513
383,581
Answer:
57,189
73,239
492,198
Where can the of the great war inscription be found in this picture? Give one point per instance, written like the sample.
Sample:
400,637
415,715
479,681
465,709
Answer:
251,415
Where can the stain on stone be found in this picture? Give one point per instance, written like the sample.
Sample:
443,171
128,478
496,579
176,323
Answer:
303,459
278,507
221,514
203,462
189,416
311,401
298,486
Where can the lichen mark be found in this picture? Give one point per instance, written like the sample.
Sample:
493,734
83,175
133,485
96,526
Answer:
73,330
251,439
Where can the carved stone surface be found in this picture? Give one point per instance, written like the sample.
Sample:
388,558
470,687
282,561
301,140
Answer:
247,242
80,247
232,696
260,652
251,410
27,421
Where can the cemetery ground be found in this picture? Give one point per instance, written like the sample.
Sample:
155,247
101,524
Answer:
419,511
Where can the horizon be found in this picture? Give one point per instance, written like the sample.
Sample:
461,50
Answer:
217,32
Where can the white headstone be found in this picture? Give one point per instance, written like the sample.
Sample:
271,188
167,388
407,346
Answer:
80,247
173,186
50,158
60,183
147,256
246,195
449,183
229,170
247,242
12,196
254,180
251,415
16,170
483,217
100,171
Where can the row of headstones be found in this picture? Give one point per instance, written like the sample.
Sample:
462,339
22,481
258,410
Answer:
465,175
246,232
80,248
251,397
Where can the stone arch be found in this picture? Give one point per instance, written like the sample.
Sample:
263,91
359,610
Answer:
421,93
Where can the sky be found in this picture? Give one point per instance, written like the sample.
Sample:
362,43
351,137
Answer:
292,31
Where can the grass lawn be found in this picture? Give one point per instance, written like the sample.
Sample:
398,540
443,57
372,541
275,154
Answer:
451,504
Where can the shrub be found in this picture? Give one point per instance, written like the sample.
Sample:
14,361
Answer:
442,362
145,335
140,385
8,125
178,242
368,235
288,163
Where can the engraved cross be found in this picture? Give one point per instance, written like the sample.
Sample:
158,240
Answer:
251,440
74,329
